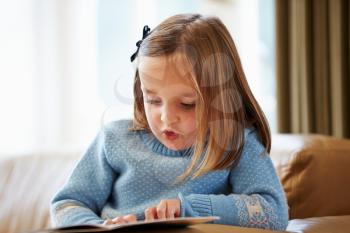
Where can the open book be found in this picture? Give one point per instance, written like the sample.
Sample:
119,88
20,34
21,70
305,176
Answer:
183,221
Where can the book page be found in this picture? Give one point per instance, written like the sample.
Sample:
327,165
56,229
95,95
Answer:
183,221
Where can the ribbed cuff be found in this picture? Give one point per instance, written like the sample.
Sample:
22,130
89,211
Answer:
226,207
71,213
195,205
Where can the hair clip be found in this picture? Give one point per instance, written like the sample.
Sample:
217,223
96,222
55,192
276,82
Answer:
145,33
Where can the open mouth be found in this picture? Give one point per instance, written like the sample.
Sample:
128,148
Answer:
171,135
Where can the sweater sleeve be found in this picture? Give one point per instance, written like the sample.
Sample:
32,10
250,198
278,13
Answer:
81,199
257,198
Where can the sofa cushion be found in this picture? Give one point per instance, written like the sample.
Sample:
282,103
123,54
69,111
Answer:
27,184
315,173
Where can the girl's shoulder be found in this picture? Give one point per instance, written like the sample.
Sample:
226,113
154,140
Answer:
252,138
118,129
249,131
117,125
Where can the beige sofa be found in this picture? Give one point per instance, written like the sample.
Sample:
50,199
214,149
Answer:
314,170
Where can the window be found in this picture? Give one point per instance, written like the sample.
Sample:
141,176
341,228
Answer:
120,24
65,65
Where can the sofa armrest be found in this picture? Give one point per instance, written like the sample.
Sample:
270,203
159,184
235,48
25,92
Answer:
334,224
315,173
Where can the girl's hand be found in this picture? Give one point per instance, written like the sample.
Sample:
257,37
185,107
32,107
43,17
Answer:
120,220
169,208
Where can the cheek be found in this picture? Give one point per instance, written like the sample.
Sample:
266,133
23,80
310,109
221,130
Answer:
190,122
151,115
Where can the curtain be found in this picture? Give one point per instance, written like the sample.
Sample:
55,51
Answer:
48,76
312,62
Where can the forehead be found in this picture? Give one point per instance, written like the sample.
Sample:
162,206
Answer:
165,71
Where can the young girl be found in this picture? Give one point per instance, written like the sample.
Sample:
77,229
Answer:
197,145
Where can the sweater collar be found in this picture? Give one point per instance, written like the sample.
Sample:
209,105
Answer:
156,146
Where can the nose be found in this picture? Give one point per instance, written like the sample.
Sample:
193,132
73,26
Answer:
169,115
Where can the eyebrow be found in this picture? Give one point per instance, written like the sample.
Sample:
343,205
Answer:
187,94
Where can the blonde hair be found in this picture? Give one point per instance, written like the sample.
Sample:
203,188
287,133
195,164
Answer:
226,104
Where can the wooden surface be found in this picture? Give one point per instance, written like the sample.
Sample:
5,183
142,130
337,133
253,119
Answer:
198,228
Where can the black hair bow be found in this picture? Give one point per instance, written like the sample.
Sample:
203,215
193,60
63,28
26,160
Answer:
145,33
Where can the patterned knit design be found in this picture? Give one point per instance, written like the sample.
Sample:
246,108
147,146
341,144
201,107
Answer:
124,172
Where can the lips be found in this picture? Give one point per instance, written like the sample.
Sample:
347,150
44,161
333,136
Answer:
170,135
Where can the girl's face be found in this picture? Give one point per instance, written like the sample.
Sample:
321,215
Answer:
169,100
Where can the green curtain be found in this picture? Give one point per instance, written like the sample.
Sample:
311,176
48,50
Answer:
312,60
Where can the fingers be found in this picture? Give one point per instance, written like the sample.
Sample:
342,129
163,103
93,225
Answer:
119,220
108,222
122,219
173,208
162,209
150,213
130,218
170,213
165,209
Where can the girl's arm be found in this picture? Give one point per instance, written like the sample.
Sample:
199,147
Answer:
257,199
81,199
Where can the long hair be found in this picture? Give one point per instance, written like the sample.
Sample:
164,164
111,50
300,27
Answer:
226,105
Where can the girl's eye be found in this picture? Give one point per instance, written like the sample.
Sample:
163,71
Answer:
188,106
150,101
183,105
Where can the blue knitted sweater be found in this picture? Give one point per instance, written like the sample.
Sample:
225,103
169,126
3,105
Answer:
125,172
